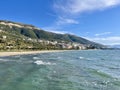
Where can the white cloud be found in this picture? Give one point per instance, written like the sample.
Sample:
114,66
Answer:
101,34
68,9
63,21
80,6
107,41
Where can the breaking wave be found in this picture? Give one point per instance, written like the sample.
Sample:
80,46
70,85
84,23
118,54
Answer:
39,62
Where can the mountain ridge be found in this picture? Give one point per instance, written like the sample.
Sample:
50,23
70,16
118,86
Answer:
33,32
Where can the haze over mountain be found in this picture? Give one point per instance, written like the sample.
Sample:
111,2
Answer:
115,46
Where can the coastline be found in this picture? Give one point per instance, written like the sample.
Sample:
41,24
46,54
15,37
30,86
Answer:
4,54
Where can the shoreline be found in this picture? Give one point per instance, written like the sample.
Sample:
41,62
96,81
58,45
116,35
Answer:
5,54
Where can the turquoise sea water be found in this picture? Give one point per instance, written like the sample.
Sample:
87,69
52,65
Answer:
70,70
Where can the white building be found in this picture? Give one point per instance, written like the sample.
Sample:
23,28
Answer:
4,37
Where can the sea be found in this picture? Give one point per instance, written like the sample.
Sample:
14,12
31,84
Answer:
67,70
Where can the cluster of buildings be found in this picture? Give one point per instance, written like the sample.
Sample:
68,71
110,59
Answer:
60,44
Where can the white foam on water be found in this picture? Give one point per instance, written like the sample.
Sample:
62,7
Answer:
85,58
39,62
5,60
81,58
36,58
16,61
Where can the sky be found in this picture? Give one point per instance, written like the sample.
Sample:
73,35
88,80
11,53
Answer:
96,20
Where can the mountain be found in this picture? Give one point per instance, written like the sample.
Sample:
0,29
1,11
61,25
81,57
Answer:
20,30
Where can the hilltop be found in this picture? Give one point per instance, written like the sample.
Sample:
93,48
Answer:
23,36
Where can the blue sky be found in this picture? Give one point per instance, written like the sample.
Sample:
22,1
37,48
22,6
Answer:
96,20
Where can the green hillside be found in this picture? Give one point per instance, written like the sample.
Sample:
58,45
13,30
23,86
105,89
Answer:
19,32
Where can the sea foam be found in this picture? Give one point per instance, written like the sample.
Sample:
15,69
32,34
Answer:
39,62
35,58
81,58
